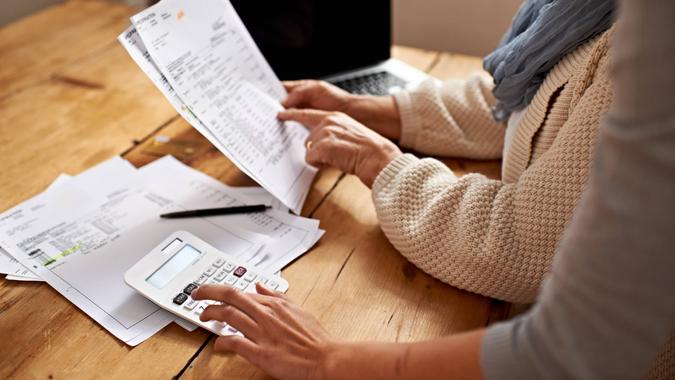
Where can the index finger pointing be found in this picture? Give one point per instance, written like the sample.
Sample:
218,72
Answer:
308,117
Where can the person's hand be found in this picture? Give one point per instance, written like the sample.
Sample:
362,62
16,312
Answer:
379,113
288,343
337,140
280,337
316,94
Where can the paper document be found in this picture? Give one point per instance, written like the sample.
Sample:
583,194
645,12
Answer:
13,268
12,277
10,266
261,196
200,55
132,42
84,232
83,253
290,236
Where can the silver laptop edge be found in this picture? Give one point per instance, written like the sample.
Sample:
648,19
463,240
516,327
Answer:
409,74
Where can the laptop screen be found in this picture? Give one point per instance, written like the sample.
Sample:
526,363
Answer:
314,38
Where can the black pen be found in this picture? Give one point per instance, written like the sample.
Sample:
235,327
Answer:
215,211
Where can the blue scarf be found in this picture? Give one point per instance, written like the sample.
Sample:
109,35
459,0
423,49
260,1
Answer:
541,34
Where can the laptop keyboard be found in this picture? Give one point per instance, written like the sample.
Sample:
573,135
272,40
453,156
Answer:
377,83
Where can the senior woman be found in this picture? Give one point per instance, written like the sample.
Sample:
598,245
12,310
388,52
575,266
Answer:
540,112
607,306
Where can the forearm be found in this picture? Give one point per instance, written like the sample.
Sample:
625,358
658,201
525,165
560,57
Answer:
495,238
379,113
452,118
467,231
450,357
449,119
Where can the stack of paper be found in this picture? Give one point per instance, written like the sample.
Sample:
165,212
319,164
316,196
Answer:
84,232
202,58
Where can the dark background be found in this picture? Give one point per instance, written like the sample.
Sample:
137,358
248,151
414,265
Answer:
309,39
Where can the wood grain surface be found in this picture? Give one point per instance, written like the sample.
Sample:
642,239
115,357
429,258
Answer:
70,97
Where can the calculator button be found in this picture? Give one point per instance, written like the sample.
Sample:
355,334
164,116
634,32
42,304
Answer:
179,299
241,285
218,263
273,285
202,279
229,267
191,304
210,271
230,280
250,276
190,288
200,308
212,281
221,275
240,271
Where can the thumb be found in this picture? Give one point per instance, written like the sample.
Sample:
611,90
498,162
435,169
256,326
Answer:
332,154
316,155
297,98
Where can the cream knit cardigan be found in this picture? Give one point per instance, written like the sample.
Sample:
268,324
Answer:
495,238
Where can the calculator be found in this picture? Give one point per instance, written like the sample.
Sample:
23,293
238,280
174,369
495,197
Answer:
177,266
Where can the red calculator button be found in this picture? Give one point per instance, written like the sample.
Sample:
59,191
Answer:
240,271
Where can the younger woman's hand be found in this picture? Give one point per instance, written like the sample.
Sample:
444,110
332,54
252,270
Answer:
337,140
280,337
288,343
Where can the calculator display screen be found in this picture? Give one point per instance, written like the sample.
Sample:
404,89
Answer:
179,261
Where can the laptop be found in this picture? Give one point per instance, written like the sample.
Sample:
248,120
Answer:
345,42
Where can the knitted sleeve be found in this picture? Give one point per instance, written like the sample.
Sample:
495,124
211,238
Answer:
451,119
484,235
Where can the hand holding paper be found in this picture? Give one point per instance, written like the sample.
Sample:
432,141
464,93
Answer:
200,55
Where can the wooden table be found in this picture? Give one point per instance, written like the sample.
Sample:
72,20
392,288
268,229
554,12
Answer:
70,97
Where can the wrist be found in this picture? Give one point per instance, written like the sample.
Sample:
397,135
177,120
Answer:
335,355
364,360
379,113
375,163
389,156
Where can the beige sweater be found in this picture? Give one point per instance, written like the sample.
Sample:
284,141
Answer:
495,238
